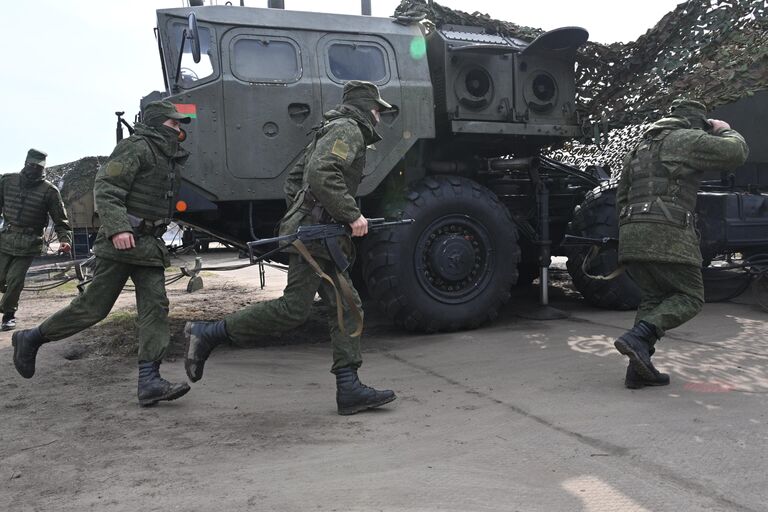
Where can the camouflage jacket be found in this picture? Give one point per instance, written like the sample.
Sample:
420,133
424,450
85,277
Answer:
135,192
25,208
683,155
330,171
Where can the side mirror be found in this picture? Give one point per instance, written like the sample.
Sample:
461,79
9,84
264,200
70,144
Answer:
194,37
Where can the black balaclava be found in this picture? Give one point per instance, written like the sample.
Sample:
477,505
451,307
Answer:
31,174
365,106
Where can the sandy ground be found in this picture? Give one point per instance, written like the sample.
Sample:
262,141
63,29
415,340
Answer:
519,415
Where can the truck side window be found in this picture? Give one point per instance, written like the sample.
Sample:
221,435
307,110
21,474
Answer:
357,61
192,71
265,60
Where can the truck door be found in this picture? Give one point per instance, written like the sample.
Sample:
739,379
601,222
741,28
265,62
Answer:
343,57
271,102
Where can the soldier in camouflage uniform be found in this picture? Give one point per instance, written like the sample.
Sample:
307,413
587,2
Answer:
26,201
321,188
134,193
658,243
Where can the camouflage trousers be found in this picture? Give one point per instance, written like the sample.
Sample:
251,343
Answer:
95,303
670,293
293,308
13,270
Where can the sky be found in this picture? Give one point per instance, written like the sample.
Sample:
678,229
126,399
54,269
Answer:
68,65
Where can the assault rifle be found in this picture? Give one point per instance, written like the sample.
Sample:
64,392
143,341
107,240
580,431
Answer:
329,233
604,243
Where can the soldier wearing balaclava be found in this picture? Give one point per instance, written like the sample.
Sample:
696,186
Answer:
26,201
135,196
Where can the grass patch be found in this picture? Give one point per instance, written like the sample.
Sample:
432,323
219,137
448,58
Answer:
115,335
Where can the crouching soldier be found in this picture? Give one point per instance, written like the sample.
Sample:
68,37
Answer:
134,192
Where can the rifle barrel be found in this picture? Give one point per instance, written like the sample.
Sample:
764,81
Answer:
582,240
264,241
385,223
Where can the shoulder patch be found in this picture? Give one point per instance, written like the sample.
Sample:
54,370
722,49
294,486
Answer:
340,149
114,169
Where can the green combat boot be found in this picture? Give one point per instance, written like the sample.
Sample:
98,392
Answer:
633,380
25,345
352,396
202,338
153,388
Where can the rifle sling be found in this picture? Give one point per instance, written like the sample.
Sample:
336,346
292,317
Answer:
593,252
338,284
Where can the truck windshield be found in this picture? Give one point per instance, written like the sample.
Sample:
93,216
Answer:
192,71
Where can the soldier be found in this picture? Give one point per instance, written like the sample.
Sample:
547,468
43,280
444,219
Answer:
26,201
658,242
321,188
134,192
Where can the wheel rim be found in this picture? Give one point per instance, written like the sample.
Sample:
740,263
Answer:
454,259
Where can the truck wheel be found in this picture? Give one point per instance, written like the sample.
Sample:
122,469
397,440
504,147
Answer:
596,218
454,267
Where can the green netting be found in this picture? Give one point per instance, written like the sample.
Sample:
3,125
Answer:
712,50
75,179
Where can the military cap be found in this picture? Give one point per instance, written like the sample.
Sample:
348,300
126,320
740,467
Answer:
359,90
688,106
157,112
37,157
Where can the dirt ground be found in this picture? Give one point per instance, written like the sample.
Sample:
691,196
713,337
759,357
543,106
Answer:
520,415
223,293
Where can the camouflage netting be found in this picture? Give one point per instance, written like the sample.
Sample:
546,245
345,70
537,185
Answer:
75,179
712,50
610,155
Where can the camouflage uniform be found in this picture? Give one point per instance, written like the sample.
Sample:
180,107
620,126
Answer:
656,198
26,201
321,188
658,243
328,175
134,193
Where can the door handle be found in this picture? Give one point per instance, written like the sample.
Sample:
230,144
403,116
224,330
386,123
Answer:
299,112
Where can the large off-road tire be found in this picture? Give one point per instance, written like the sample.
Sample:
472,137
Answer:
596,217
453,267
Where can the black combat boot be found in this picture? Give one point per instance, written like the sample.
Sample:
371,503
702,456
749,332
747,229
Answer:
9,321
202,338
633,380
352,396
636,344
153,388
25,345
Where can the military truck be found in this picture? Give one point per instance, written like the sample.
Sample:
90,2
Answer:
461,148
